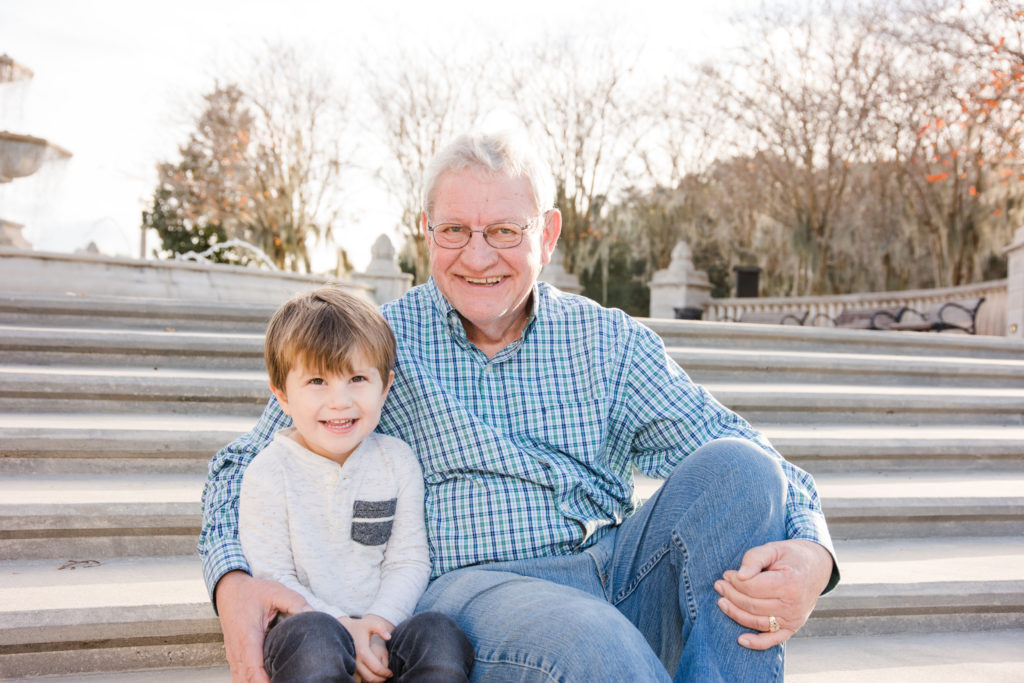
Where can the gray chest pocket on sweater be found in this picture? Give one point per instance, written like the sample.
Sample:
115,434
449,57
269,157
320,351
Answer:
372,520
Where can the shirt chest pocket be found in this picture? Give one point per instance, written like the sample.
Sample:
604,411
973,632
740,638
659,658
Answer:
577,429
372,521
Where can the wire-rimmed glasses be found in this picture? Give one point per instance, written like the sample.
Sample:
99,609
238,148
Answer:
504,235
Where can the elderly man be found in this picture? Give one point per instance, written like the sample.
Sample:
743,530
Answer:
529,410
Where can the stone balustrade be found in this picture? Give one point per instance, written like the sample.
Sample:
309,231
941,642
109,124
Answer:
1001,314
822,309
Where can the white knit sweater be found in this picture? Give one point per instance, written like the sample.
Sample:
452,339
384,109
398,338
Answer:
350,539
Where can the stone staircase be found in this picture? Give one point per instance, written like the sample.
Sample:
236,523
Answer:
111,408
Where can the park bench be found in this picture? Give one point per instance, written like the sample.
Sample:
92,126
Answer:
949,315
773,317
869,318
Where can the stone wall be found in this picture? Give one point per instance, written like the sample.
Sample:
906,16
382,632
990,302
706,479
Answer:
55,274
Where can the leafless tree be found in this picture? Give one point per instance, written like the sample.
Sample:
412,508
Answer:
301,119
579,97
419,100
807,100
688,124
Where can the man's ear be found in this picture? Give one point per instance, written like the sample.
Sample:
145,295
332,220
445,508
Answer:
549,238
423,226
282,399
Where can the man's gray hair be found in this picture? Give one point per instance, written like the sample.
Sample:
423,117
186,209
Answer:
503,152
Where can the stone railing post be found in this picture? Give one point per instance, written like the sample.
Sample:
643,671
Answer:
1015,286
554,273
679,286
383,274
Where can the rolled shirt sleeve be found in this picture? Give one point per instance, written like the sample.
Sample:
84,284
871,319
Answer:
219,548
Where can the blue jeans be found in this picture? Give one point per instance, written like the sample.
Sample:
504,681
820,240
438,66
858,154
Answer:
641,602
312,647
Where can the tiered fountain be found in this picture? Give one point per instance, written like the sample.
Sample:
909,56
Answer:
24,271
20,155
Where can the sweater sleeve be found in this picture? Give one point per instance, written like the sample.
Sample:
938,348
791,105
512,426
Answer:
406,566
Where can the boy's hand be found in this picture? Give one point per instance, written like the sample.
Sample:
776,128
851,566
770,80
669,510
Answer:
369,634
379,650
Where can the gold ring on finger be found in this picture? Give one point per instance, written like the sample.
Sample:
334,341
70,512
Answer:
773,624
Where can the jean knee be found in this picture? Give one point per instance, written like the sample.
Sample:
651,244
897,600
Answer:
430,646
745,465
308,644
588,656
443,633
314,627
432,620
435,622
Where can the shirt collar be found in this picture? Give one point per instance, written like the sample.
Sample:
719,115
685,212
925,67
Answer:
446,311
539,304
437,299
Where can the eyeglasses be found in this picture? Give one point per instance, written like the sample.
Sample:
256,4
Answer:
498,235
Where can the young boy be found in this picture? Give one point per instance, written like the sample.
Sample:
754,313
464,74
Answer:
335,512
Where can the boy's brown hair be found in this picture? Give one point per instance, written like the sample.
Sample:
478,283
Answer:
323,330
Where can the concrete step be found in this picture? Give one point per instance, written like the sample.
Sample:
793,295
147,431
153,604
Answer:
894,505
166,348
989,656
710,365
93,443
716,335
922,504
64,616
159,514
900,585
172,348
159,314
821,449
938,657
67,443
131,312
153,611
31,389
811,404
88,516
110,409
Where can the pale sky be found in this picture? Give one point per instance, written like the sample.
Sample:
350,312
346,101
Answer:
114,79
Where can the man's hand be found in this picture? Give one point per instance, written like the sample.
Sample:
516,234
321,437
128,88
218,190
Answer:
369,634
246,607
781,580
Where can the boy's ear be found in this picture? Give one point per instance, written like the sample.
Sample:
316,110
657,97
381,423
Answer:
387,385
282,399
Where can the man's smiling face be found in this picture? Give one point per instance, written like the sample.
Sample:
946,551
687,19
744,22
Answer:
490,288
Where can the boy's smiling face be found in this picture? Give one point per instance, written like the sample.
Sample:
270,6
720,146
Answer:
334,412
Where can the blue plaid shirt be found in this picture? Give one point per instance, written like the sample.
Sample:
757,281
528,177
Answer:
530,453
